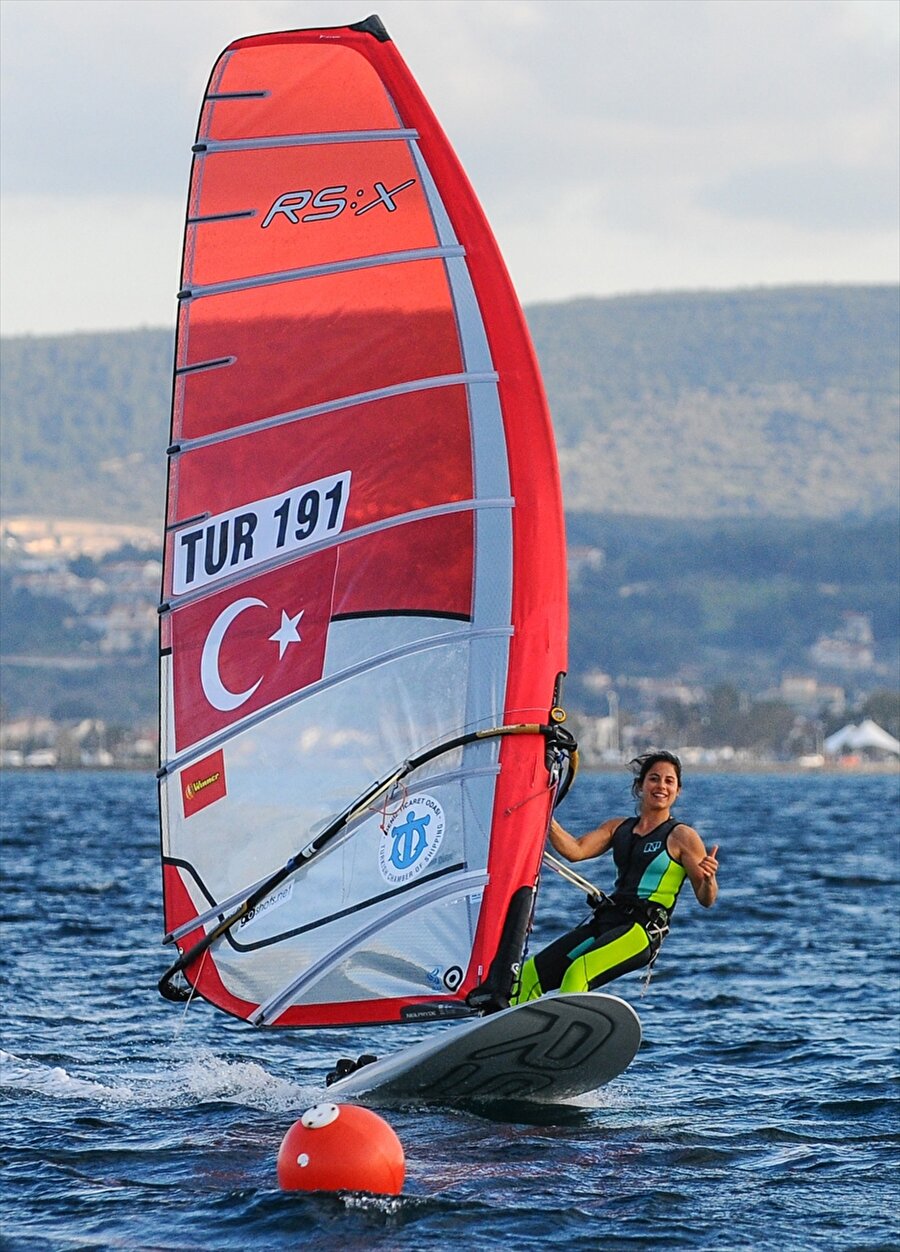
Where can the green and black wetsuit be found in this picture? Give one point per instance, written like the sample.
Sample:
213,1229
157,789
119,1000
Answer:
625,931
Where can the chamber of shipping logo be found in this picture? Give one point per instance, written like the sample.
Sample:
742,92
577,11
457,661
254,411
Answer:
410,839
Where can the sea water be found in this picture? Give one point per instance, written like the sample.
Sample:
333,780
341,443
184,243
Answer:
759,1112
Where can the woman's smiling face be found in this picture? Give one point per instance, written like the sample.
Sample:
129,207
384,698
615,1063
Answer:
660,787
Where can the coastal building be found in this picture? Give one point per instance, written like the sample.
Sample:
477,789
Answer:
866,738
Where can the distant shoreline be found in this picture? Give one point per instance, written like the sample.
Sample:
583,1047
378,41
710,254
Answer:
762,767
767,767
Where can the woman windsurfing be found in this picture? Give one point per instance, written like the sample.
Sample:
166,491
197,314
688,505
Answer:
654,854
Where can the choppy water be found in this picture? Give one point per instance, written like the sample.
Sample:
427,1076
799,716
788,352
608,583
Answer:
760,1112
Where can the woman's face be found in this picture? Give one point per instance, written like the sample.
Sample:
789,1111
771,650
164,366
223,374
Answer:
660,787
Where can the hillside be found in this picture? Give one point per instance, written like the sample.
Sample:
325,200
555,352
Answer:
656,613
744,601
85,423
752,403
780,403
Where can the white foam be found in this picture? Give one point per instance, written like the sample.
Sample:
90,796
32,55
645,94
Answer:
210,1078
205,1079
55,1081
373,1203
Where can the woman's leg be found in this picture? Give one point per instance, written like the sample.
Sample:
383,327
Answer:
614,953
608,945
546,970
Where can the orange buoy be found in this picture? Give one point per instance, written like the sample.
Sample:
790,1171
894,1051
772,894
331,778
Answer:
341,1147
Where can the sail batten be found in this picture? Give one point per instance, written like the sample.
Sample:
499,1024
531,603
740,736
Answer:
204,589
198,366
218,908
347,266
464,885
237,95
343,676
363,619
469,379
299,141
222,217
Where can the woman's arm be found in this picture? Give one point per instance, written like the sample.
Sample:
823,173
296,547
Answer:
701,866
593,843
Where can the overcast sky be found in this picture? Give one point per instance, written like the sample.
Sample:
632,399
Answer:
616,145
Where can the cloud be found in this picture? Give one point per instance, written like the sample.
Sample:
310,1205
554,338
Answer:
87,107
89,263
616,146
811,195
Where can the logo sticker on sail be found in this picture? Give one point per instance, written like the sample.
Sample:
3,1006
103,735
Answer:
330,202
203,783
444,979
411,839
281,895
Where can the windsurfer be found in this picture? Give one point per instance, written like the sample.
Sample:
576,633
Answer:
654,853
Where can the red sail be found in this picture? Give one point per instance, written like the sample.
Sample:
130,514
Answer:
364,549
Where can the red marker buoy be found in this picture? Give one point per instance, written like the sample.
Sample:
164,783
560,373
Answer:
341,1147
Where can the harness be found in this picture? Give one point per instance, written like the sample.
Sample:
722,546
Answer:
653,917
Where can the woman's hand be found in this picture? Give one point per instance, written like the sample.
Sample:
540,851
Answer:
705,886
709,865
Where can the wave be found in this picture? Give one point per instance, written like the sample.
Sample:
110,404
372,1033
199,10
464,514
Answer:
17,1073
205,1079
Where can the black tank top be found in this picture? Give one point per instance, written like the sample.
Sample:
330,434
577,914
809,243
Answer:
646,871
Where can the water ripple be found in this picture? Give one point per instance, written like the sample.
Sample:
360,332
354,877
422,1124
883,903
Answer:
759,1114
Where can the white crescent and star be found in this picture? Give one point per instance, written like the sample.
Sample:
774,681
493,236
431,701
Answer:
218,695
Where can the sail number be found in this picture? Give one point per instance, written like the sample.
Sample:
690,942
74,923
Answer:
231,542
307,513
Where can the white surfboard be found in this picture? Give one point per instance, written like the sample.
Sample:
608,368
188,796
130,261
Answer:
545,1050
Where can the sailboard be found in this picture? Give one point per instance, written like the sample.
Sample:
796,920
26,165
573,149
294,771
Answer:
542,1051
363,619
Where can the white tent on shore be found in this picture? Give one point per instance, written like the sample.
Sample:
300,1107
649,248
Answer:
867,735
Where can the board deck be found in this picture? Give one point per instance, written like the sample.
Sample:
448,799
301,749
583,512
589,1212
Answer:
545,1050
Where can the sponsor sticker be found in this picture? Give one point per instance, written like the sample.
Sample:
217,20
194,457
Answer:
203,783
411,839
281,895
330,202
441,979
453,977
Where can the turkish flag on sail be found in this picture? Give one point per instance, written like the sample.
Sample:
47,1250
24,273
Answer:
240,650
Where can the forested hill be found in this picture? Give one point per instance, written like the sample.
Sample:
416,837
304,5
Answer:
85,426
752,403
780,402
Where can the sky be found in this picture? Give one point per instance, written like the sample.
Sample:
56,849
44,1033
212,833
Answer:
617,146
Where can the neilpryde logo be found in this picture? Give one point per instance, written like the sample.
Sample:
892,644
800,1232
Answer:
410,840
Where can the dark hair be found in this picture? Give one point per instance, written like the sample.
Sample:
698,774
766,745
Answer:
641,766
